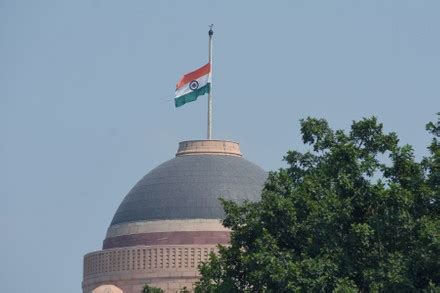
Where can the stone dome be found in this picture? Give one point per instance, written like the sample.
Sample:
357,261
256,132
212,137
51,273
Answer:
170,221
189,186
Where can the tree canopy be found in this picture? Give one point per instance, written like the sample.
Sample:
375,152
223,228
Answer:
151,289
355,213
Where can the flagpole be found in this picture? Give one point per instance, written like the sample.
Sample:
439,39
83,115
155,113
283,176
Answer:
210,33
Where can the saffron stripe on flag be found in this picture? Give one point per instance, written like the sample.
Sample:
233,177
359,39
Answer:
186,88
194,75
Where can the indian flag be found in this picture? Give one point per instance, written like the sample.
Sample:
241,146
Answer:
192,85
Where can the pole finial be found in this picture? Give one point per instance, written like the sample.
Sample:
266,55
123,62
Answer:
211,32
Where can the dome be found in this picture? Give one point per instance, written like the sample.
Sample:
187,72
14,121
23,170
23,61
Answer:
170,221
189,186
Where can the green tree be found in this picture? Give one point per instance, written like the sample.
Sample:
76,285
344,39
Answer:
355,213
150,289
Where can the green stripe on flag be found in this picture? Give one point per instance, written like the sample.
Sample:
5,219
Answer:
192,96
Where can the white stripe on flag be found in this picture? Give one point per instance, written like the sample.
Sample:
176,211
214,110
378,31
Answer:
185,89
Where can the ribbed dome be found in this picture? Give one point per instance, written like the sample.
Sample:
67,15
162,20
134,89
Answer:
189,185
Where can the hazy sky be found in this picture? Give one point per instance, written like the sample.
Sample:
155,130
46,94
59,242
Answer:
86,105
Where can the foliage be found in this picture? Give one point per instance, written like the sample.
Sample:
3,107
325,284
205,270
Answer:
150,289
356,213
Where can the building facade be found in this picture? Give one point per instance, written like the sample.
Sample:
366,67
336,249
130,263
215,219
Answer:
170,220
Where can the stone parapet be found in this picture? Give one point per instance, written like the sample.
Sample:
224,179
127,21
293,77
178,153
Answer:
211,147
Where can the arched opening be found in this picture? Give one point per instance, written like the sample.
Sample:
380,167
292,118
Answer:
107,289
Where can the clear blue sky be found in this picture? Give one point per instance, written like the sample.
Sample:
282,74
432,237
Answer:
86,107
